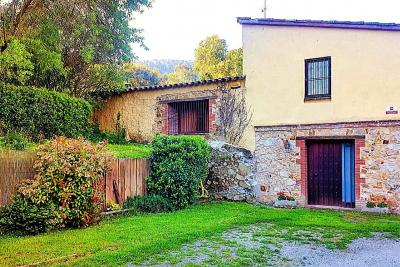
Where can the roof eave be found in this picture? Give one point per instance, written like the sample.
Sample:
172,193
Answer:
321,24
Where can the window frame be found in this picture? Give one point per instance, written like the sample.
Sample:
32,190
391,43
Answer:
177,106
320,96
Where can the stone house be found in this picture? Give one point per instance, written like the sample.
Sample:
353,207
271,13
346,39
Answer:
325,96
186,108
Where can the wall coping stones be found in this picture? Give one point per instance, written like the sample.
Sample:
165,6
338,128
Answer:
333,125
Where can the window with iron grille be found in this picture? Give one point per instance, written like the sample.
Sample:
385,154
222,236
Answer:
318,78
188,117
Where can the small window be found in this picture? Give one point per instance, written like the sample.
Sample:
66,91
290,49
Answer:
318,78
189,117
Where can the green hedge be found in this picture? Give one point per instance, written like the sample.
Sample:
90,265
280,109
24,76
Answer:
36,111
149,204
178,165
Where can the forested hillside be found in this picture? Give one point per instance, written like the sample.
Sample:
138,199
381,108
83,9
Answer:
167,65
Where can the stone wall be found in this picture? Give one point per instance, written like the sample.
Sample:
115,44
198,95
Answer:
281,159
231,173
143,111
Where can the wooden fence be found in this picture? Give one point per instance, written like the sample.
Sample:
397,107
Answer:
126,178
14,168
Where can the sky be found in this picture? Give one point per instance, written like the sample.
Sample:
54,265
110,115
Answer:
174,28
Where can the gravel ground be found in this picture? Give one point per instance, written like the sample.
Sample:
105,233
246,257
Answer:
361,252
264,245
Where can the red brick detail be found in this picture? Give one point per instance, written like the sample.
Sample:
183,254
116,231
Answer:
164,118
212,107
359,143
302,161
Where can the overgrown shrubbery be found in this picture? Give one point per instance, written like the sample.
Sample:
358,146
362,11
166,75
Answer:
15,141
25,216
39,112
96,135
178,166
149,204
63,193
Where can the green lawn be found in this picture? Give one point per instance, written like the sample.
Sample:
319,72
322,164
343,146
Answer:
133,239
30,147
118,151
130,150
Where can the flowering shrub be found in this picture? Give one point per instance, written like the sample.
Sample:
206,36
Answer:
377,201
64,190
283,196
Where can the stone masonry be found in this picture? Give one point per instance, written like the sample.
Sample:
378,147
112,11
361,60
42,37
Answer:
281,159
231,174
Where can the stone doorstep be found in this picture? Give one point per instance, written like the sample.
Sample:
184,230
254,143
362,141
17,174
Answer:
329,208
376,210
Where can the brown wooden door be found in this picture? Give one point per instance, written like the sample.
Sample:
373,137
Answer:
325,173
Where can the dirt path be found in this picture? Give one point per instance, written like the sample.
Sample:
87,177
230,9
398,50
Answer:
271,245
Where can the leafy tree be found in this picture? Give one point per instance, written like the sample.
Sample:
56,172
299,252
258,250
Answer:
92,37
234,62
181,74
139,74
28,61
49,70
213,60
15,63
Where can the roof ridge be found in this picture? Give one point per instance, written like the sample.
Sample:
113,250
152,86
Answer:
361,25
130,87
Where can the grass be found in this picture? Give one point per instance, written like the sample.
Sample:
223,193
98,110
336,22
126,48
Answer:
119,151
130,150
116,242
30,148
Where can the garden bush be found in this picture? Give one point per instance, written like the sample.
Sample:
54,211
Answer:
149,204
24,217
40,112
178,166
17,141
63,193
117,137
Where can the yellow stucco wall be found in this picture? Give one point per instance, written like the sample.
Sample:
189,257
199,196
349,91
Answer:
365,74
138,109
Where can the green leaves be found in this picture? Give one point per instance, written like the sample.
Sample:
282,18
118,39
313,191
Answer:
178,165
213,60
181,74
139,74
63,193
79,46
39,112
15,63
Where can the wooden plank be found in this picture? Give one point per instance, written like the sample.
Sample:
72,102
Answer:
121,178
112,175
116,193
127,180
14,168
139,186
135,177
129,175
324,173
